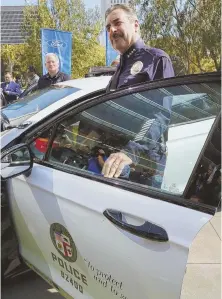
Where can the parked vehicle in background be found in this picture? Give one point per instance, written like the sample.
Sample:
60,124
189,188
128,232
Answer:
97,71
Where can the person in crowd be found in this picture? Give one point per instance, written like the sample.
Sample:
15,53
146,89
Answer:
18,80
138,63
33,78
54,75
10,89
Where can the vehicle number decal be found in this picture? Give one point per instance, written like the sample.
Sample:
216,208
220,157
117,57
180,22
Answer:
72,281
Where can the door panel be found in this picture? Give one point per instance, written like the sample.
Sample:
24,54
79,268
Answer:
110,259
62,202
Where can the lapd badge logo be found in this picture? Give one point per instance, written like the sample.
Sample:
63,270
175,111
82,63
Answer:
136,67
63,242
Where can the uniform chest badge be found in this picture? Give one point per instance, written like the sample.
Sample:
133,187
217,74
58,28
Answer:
136,68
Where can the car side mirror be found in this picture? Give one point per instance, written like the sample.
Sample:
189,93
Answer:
15,161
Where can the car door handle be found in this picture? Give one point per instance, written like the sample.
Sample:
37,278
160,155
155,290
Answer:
147,230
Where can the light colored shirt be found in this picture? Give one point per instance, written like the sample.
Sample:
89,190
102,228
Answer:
33,80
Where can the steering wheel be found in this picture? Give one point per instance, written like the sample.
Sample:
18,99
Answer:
68,156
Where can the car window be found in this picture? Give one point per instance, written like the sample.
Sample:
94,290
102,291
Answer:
205,184
37,101
190,102
142,125
40,144
30,90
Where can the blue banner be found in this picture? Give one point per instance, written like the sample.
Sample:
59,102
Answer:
111,54
60,43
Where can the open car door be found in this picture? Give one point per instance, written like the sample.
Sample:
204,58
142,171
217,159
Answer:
126,237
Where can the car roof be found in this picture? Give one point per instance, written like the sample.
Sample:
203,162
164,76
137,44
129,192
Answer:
80,87
85,86
89,84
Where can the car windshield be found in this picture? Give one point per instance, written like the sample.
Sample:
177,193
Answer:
37,101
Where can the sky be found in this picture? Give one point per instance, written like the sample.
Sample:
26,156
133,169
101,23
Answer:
88,3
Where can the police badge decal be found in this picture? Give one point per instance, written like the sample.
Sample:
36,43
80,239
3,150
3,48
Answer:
136,68
63,242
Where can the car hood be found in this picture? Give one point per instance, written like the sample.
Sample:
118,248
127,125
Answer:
85,85
11,134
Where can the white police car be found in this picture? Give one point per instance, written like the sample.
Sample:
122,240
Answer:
97,237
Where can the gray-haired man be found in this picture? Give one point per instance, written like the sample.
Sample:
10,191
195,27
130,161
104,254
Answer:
54,75
138,63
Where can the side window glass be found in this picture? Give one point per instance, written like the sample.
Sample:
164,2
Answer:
205,185
162,131
70,145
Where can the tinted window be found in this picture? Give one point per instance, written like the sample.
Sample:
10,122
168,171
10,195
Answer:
205,185
37,101
140,125
194,101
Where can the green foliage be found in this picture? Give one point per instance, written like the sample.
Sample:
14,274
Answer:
72,16
186,29
12,56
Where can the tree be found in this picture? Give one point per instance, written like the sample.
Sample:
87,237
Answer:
186,29
72,16
208,23
12,55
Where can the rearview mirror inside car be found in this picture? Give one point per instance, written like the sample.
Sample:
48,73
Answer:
15,161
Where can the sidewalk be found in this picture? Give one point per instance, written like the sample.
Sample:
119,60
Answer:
203,276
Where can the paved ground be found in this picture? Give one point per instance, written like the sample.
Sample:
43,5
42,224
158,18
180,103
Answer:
203,276
28,286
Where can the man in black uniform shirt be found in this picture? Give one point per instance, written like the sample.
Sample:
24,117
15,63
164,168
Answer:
138,63
54,75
